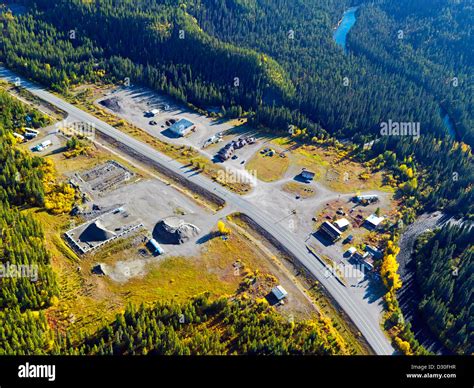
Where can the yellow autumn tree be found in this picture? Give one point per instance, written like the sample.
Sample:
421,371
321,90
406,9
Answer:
389,268
404,346
59,197
222,228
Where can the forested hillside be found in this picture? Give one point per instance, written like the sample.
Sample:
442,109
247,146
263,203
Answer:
431,43
247,56
23,328
443,172
445,277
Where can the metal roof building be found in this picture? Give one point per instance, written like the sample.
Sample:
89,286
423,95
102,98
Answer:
330,230
279,292
373,220
342,223
182,127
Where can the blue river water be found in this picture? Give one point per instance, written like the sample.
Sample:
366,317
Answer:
348,20
448,124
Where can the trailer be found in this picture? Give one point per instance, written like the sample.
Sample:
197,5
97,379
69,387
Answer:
155,248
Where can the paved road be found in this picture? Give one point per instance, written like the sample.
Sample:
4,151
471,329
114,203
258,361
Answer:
355,306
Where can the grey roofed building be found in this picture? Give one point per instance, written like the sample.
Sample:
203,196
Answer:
307,175
182,127
374,251
279,292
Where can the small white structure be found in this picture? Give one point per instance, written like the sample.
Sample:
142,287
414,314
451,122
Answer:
18,136
279,292
374,221
152,113
368,198
342,223
351,251
157,249
31,130
42,146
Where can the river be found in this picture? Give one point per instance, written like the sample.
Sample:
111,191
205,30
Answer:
346,23
448,123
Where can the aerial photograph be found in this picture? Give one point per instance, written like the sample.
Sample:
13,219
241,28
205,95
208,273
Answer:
253,187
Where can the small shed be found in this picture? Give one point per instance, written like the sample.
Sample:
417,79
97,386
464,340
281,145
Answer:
351,251
307,175
342,223
279,292
374,221
155,247
368,261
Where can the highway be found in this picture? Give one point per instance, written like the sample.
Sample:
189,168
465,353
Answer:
351,302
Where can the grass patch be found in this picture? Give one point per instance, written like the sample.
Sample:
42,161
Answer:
299,189
334,167
268,168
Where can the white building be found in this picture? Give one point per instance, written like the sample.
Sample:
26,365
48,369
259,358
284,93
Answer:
279,292
368,198
342,224
374,221
351,251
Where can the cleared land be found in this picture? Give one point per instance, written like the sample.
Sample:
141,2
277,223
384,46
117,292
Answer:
133,274
334,168
299,189
270,166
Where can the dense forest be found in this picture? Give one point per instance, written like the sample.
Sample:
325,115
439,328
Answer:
444,174
27,282
445,277
431,43
276,55
245,326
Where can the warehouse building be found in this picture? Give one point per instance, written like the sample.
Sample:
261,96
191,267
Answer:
330,230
